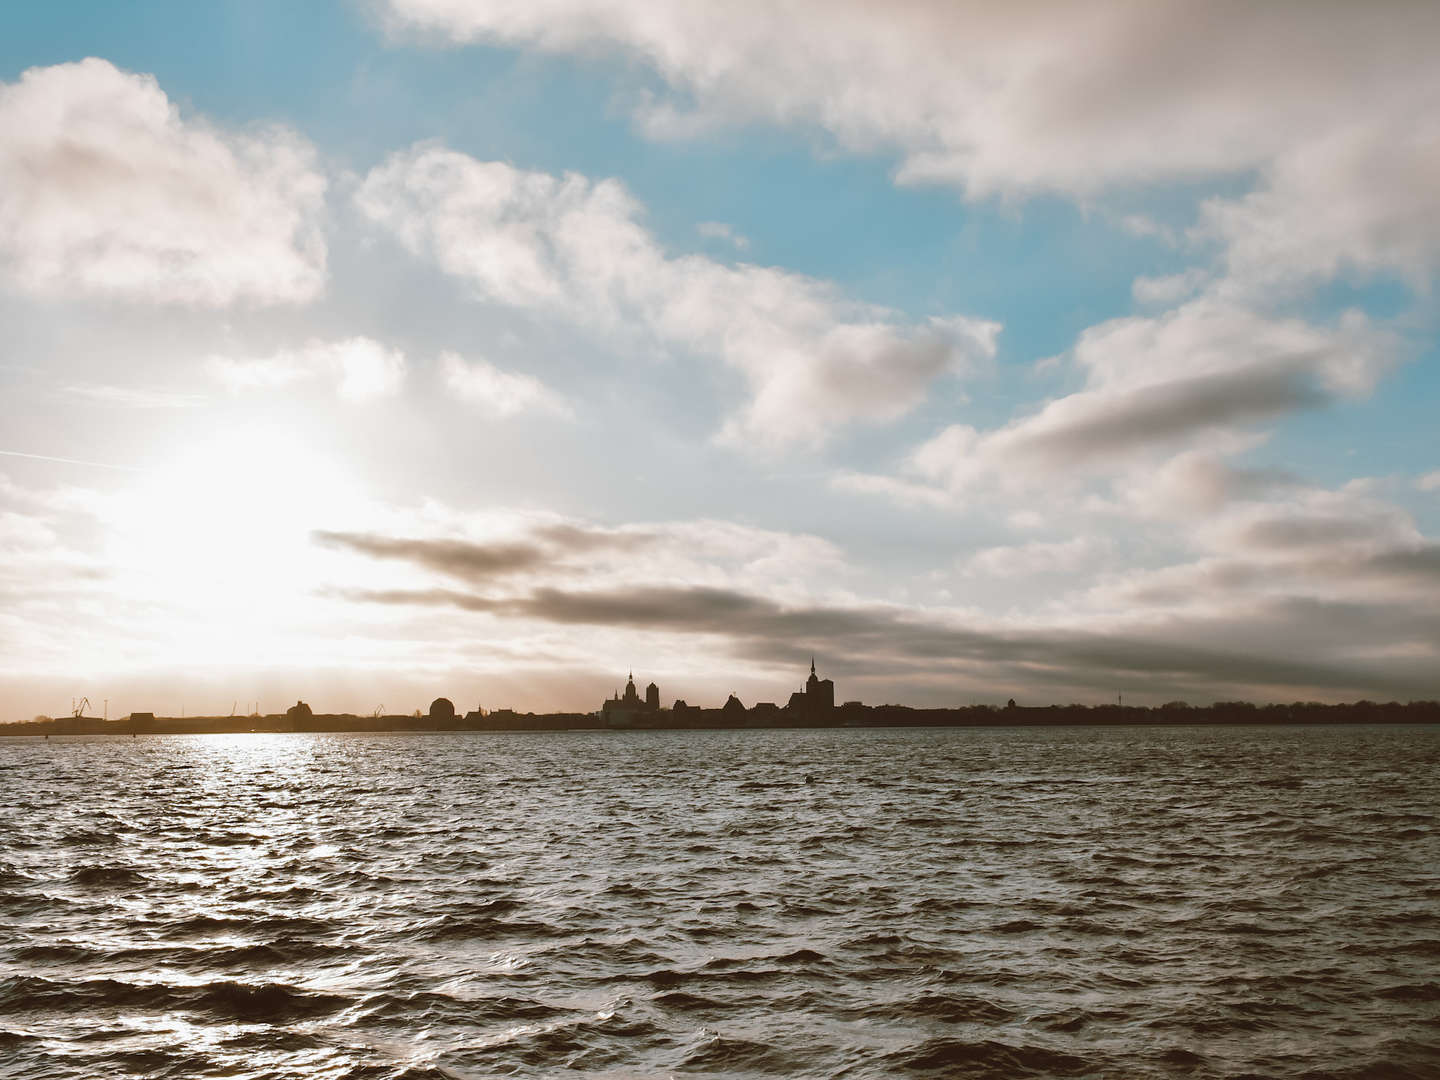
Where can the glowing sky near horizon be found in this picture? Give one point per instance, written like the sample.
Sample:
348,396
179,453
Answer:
371,351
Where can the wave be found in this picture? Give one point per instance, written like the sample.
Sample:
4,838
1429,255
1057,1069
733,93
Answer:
268,1002
681,1001
89,838
263,926
1018,926
259,956
990,1058
448,907
107,877
421,1007
716,1053
947,1008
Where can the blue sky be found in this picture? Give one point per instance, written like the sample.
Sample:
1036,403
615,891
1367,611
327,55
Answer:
423,346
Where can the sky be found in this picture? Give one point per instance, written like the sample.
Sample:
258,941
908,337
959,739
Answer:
368,351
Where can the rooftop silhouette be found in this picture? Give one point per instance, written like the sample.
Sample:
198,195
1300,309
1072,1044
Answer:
811,706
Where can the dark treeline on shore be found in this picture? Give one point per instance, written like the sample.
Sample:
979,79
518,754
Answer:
734,715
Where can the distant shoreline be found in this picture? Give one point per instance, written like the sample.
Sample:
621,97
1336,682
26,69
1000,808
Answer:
851,715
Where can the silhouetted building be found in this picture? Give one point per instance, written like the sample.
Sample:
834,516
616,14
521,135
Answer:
298,711
626,710
442,709
733,710
817,698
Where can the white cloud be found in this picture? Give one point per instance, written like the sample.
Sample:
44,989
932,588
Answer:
1036,557
1332,111
1362,200
1146,226
1209,336
1166,397
1198,482
500,393
1429,481
1156,384
361,368
718,230
1019,97
1310,522
905,492
106,190
811,359
1170,289
1332,546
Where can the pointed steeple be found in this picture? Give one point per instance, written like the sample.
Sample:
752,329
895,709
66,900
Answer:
812,665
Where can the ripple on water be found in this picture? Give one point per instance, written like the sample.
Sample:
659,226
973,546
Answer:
1142,903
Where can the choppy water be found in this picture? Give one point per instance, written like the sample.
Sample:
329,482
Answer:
1007,903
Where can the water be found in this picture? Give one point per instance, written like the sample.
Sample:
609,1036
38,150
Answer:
1008,903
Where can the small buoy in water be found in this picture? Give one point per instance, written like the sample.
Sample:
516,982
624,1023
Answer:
809,779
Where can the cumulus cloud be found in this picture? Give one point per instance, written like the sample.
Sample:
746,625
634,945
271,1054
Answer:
1036,95
1105,425
361,368
1199,482
499,393
1429,482
567,245
1215,337
1361,200
1291,543
106,190
1332,110
1155,385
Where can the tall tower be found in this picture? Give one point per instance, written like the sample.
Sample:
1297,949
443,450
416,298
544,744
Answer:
819,693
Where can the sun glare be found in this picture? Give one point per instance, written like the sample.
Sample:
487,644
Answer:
225,529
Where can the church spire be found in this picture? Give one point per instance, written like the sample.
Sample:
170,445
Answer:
812,665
